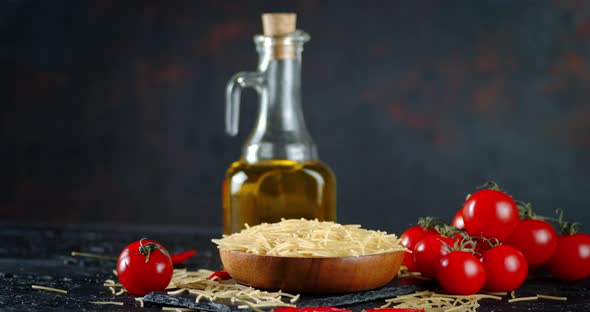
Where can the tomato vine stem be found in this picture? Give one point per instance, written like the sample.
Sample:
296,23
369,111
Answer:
150,247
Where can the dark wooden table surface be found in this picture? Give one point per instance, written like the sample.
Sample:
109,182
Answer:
40,255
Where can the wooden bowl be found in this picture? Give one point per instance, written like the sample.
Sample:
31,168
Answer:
312,274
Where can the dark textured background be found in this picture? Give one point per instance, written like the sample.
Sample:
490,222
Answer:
112,111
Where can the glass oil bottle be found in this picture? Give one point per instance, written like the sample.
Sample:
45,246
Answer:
279,174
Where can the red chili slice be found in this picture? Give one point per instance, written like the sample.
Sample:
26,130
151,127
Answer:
394,310
219,276
182,256
324,309
311,309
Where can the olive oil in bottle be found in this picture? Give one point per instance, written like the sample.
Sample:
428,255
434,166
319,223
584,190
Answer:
279,174
275,189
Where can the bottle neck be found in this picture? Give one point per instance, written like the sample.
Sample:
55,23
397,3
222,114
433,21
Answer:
280,131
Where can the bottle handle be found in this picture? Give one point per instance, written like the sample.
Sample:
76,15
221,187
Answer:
233,93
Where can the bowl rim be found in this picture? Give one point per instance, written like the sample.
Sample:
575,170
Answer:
313,257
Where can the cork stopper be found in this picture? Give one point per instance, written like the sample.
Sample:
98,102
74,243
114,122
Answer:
279,24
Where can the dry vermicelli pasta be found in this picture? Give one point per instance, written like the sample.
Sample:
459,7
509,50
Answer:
61,291
310,238
558,298
431,301
107,302
140,300
520,299
197,284
111,283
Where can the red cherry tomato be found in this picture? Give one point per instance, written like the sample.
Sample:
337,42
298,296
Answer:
461,273
536,240
409,239
491,214
144,266
458,220
506,268
429,251
571,261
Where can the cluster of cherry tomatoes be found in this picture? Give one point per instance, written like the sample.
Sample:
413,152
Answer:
493,244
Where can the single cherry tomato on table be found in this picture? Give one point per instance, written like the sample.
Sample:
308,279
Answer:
460,273
409,239
144,266
506,268
429,251
536,240
491,214
571,260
